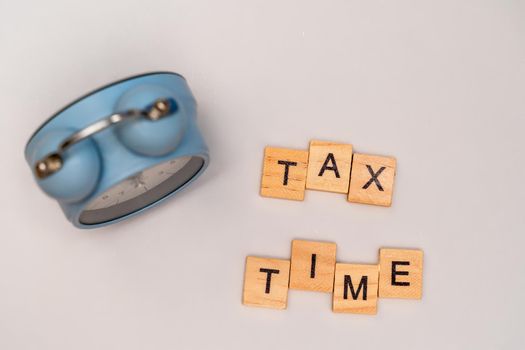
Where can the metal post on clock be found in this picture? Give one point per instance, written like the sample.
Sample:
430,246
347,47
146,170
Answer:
53,162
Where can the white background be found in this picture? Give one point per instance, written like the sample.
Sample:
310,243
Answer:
440,85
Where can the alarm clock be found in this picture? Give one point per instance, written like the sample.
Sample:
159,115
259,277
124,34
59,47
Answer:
120,149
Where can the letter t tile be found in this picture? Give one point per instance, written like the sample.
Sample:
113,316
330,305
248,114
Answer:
266,282
284,173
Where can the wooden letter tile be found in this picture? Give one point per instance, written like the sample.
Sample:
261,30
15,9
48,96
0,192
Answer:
401,273
355,288
329,166
372,180
284,173
266,282
313,265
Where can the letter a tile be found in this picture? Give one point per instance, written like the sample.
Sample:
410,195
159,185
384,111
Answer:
372,180
355,289
313,265
284,173
401,273
329,166
266,282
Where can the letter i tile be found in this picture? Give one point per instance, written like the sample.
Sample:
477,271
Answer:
312,265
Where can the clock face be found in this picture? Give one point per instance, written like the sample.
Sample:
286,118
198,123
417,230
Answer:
141,190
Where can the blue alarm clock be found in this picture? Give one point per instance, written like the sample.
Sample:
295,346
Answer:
120,149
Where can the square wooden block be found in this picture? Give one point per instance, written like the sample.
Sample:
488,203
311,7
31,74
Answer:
372,180
313,266
284,173
266,282
329,166
401,273
355,288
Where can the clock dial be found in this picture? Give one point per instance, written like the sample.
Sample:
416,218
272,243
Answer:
138,184
141,189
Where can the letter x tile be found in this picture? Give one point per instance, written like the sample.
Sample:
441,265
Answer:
372,180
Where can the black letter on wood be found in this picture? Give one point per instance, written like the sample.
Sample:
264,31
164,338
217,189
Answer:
399,273
312,267
329,158
269,278
363,284
286,167
374,178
